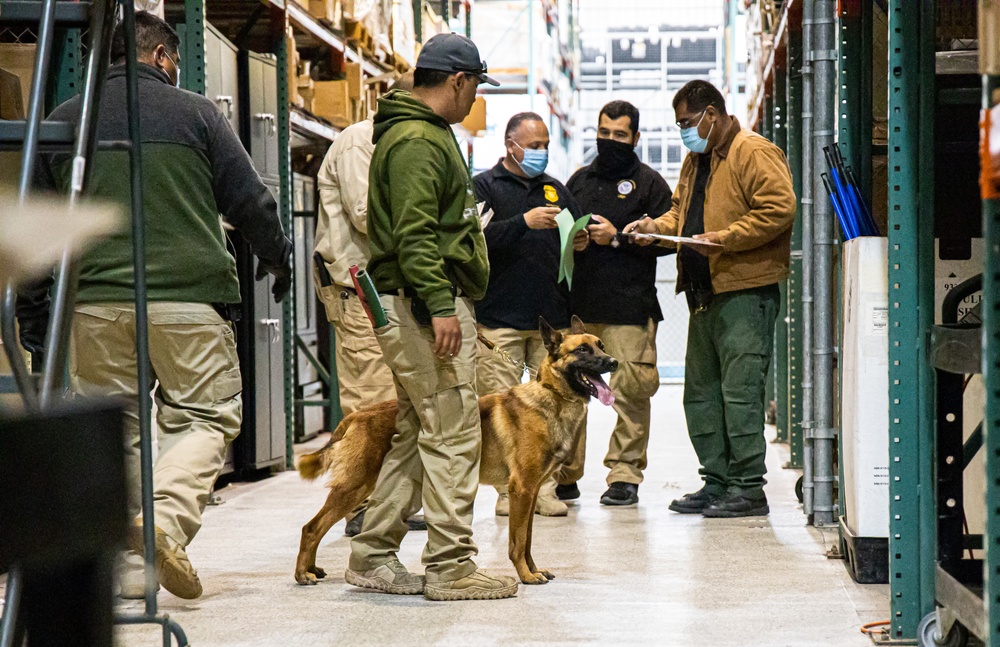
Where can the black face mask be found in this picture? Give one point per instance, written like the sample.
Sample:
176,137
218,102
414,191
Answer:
614,156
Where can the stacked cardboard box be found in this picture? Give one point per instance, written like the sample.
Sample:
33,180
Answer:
330,11
19,61
293,69
332,101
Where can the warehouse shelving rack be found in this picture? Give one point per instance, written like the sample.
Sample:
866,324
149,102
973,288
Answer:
924,599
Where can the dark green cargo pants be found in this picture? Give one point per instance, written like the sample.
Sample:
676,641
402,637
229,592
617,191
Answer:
728,353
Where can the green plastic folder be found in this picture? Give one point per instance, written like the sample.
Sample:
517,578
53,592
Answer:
568,229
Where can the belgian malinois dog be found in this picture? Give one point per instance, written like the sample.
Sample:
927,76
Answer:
527,433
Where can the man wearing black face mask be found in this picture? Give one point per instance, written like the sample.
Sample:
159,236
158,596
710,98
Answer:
614,292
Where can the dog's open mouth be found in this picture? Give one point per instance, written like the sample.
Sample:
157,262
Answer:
598,388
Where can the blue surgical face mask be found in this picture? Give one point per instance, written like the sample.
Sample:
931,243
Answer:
694,142
534,162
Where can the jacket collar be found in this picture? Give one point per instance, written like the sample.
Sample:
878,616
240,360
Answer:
500,171
145,71
732,129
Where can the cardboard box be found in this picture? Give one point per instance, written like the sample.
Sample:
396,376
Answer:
19,60
476,121
865,388
11,102
322,9
332,101
355,80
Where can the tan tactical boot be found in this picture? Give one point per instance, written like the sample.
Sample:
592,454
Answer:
548,504
478,586
173,568
391,577
503,503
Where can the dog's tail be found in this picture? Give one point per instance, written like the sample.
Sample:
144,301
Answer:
311,466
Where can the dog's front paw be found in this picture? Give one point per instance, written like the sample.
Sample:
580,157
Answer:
549,576
534,578
306,578
317,571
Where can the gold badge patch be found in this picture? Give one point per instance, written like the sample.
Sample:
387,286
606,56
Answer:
551,195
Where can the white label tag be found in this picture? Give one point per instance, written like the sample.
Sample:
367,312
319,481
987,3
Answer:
879,318
79,166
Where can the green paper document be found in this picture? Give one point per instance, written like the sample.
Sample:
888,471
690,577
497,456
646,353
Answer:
568,229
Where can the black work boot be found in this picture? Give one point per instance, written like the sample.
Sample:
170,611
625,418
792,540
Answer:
568,492
621,493
353,526
695,502
738,504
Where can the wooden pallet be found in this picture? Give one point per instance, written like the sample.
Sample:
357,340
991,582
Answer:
357,35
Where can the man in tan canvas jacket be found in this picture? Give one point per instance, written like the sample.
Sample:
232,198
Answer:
735,191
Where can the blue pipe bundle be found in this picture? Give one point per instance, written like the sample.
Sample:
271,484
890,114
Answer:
852,211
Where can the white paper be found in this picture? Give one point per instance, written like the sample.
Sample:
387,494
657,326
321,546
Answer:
485,218
675,239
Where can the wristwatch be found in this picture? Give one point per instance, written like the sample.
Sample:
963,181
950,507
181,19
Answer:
616,241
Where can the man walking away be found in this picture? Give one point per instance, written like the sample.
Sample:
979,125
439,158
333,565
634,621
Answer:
614,293
735,190
523,244
194,168
429,263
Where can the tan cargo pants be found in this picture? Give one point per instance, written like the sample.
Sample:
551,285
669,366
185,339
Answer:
192,352
634,383
362,373
434,458
496,375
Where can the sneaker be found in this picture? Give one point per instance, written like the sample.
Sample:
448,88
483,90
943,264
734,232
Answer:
391,577
173,568
621,493
548,504
353,526
568,492
478,586
503,504
738,504
694,502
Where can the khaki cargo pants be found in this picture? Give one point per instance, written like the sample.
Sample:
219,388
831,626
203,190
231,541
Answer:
434,458
362,373
634,383
192,353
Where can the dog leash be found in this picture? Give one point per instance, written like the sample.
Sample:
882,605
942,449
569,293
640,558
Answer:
504,355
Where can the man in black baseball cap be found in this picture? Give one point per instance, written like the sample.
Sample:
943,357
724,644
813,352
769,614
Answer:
454,53
429,264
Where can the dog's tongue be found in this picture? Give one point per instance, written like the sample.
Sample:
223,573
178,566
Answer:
604,393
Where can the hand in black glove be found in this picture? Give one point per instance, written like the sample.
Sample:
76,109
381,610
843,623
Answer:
282,278
32,333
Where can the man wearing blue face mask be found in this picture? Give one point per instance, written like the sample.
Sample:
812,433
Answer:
735,191
522,240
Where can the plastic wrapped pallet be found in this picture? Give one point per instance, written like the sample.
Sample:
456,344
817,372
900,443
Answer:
154,7
865,402
404,37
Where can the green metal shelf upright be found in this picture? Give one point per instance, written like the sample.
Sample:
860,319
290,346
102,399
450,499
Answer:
779,134
912,526
193,61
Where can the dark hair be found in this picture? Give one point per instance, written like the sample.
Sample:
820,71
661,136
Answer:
699,95
518,119
619,109
150,33
425,78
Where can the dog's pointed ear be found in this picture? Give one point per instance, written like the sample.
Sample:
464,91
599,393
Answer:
576,326
551,337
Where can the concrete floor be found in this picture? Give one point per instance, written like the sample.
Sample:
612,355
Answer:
637,576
